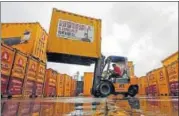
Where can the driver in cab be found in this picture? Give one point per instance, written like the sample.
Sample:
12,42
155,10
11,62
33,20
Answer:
116,71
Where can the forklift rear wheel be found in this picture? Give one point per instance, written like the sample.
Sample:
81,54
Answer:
105,89
133,90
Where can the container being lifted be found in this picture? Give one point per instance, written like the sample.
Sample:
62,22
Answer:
73,38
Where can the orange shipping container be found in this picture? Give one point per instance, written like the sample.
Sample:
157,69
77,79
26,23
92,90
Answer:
71,35
18,74
73,87
131,68
50,83
143,85
70,87
153,85
162,80
7,59
29,38
88,82
172,70
67,87
171,63
40,78
30,78
60,85
170,59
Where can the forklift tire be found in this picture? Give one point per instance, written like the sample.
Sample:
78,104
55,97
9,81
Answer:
97,95
105,89
133,90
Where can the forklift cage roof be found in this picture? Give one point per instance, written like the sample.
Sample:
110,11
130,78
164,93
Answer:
117,59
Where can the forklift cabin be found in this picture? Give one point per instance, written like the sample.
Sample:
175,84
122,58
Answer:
105,85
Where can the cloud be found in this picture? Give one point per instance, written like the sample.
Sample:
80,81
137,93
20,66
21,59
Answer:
153,32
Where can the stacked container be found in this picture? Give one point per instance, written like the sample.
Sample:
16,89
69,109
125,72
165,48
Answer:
153,85
162,80
17,76
40,78
146,85
50,83
67,88
142,85
88,82
171,64
60,85
131,68
73,87
30,78
30,38
7,60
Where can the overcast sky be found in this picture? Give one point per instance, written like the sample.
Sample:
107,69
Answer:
145,32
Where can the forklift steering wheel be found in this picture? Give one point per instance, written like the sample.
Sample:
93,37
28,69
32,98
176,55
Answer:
110,71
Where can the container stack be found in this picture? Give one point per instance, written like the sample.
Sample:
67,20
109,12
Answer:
162,81
88,82
23,64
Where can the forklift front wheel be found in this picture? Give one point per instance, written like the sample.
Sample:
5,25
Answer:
105,89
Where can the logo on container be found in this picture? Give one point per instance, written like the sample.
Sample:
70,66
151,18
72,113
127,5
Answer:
32,67
151,77
5,56
43,37
161,75
20,62
41,70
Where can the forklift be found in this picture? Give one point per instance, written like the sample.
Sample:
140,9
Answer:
103,86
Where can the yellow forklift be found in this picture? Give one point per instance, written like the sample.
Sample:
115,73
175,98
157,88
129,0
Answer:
103,86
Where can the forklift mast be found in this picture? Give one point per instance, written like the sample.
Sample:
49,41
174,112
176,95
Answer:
99,65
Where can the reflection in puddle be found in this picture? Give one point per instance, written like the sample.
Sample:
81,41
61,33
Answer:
163,106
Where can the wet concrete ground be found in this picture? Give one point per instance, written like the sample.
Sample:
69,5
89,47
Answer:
88,106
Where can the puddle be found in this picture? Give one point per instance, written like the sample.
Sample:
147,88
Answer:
88,106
